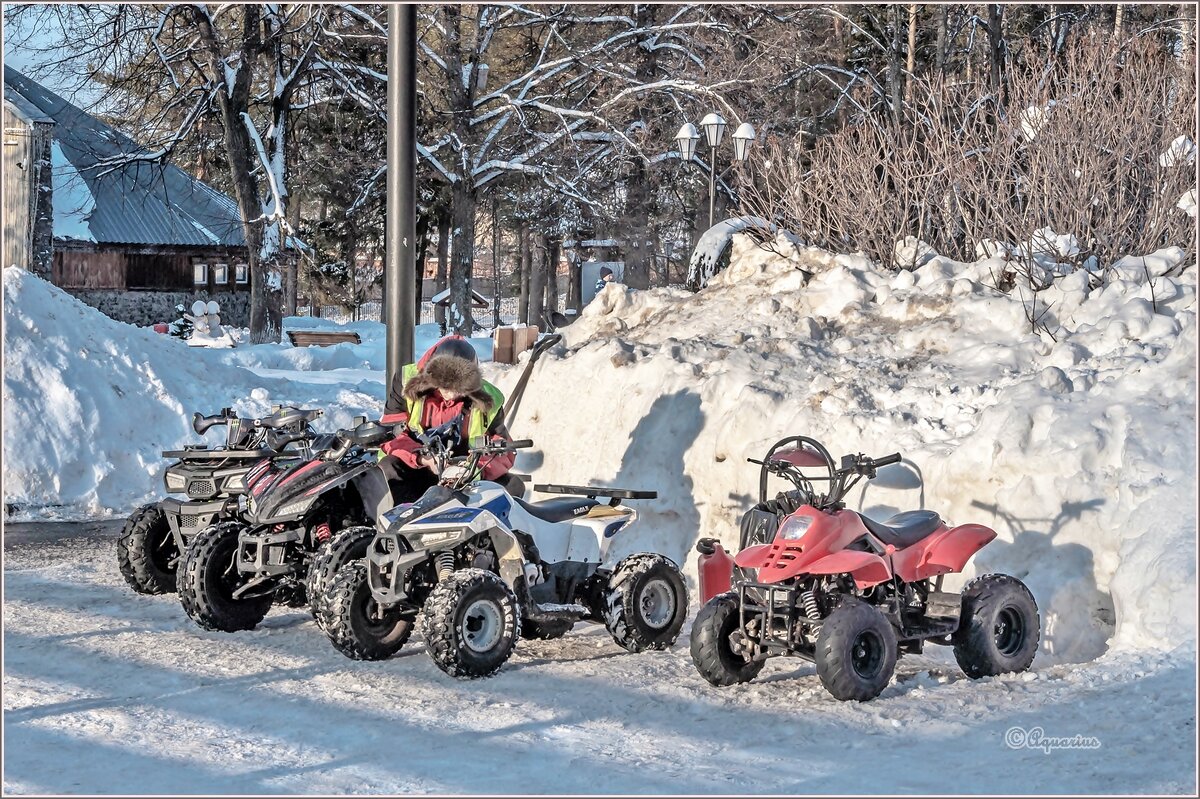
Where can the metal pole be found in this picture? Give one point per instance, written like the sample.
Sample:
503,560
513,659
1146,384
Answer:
712,185
401,267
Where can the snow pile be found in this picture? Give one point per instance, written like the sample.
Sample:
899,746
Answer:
1075,442
1181,151
90,403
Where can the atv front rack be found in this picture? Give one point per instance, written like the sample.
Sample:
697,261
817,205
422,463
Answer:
256,454
591,492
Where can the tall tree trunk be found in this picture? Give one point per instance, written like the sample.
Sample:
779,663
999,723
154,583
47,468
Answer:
1119,21
942,33
291,286
523,291
575,277
894,78
552,249
995,46
911,62
423,228
1187,30
443,265
537,284
462,260
496,263
637,184
463,192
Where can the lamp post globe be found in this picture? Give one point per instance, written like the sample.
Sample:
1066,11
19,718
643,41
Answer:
743,137
714,128
686,138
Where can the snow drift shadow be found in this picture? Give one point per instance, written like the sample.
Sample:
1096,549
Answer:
654,459
1078,618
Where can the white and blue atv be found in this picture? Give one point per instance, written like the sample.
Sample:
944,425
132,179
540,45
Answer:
481,567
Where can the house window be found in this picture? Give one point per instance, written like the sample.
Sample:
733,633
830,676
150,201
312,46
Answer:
200,274
241,273
221,274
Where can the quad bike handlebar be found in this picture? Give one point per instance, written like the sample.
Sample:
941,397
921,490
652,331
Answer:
840,480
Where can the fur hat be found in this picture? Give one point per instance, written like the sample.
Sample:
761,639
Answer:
449,373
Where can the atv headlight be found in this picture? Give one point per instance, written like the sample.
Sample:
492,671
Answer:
795,527
429,538
175,482
295,508
235,483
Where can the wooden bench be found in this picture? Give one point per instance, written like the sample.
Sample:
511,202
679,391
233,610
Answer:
321,338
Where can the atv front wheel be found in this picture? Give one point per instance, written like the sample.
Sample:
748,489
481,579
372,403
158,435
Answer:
647,602
856,651
712,652
344,546
999,627
146,551
357,627
471,620
208,576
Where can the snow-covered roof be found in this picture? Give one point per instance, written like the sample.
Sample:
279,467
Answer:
134,203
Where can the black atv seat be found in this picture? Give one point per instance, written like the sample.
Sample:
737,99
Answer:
904,529
558,510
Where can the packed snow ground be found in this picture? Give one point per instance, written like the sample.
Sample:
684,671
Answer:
1076,442
109,692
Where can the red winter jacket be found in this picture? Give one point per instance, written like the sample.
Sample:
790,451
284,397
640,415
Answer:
437,411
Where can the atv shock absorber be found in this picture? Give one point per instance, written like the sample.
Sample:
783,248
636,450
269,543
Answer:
445,563
322,533
809,600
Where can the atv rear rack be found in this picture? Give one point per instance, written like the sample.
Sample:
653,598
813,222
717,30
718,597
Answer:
591,492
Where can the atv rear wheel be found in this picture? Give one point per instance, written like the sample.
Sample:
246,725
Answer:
471,621
856,651
647,602
146,551
208,576
999,627
545,630
344,546
357,627
712,652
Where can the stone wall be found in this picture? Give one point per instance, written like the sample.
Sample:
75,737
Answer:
144,308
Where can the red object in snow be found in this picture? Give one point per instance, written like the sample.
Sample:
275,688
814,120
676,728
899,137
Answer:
715,568
162,327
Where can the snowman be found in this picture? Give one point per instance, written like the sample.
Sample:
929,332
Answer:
206,325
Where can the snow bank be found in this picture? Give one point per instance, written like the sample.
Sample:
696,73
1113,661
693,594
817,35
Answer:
90,403
1079,449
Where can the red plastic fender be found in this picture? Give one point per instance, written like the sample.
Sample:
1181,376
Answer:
950,552
866,568
754,557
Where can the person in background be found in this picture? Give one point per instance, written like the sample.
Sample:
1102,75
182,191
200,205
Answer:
444,385
606,277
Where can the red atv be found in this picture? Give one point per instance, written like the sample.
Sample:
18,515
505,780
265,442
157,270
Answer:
850,593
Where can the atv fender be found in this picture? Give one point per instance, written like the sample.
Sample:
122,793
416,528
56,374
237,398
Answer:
402,560
754,557
951,551
866,568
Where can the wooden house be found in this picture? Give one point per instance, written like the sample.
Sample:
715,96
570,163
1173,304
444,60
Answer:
134,238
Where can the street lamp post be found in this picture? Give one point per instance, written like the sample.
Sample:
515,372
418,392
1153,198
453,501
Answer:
714,130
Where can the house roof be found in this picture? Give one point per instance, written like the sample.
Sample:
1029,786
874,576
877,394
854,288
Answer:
133,203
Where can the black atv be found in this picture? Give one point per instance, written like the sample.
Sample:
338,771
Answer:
234,570
211,480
